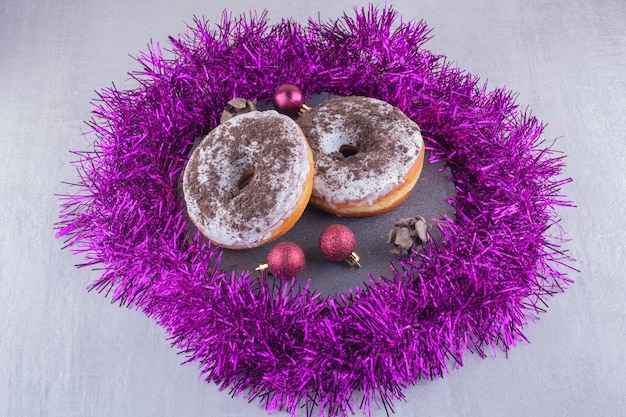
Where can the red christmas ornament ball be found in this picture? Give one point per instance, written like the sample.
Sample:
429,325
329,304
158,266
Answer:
336,242
286,258
288,99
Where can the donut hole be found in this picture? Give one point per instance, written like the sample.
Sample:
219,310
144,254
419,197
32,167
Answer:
348,150
245,178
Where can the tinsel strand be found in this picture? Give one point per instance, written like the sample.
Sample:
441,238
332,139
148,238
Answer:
287,347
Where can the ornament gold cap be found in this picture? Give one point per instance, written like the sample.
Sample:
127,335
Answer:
353,260
304,108
262,266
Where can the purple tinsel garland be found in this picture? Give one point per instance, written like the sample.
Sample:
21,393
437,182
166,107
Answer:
284,345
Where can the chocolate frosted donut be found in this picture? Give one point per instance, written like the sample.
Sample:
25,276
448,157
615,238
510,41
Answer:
249,180
368,155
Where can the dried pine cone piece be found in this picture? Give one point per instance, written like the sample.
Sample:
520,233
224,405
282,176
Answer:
237,106
407,234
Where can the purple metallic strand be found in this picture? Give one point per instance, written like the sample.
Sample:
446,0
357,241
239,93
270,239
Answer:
285,346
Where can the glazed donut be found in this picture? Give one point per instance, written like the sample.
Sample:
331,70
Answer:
249,180
368,155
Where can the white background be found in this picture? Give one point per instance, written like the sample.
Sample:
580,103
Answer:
67,352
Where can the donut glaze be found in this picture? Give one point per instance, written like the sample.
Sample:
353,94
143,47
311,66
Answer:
249,180
368,155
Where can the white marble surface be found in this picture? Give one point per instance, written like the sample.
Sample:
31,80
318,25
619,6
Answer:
67,352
